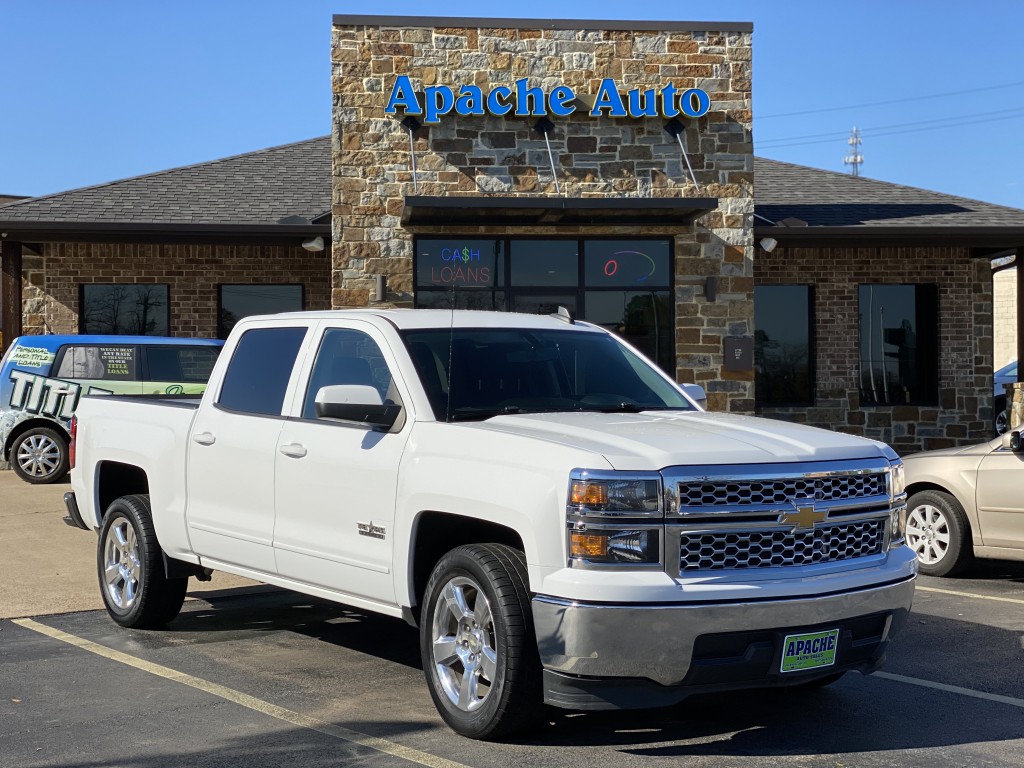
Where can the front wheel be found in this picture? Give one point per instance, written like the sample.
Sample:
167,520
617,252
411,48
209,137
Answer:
40,456
1002,421
479,652
136,591
938,532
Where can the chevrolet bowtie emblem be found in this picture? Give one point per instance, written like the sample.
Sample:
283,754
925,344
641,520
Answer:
805,515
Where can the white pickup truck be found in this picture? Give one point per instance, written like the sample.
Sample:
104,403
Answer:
560,520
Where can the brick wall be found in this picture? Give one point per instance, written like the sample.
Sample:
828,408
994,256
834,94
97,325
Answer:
595,157
192,272
964,413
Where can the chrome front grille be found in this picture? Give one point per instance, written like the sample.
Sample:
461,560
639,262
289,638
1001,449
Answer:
743,517
701,551
704,492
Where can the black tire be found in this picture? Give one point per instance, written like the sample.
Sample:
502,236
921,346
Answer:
40,456
496,575
1001,419
137,592
937,530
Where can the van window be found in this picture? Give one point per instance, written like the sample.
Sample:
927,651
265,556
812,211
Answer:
107,363
187,365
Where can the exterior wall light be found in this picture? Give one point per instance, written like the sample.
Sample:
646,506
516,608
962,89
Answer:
768,244
313,244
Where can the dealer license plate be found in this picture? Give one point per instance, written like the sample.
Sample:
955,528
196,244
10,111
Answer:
810,651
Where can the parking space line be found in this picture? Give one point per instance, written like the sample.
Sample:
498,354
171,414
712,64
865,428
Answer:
243,699
951,689
971,594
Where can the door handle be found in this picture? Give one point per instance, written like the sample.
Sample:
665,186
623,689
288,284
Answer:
205,438
295,450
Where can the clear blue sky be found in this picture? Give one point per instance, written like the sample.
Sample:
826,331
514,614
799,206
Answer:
94,91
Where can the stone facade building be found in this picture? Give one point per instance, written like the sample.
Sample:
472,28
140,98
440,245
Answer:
1004,296
473,174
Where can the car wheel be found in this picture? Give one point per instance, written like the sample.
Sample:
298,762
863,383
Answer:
40,456
479,651
938,532
136,591
1002,422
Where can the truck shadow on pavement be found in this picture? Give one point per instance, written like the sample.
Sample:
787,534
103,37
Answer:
856,715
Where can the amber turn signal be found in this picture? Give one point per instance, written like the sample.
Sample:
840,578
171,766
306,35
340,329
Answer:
589,494
588,545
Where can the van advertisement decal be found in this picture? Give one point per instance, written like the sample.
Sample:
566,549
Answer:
43,396
32,357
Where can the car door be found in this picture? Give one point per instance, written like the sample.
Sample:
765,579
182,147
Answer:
336,482
1001,500
232,449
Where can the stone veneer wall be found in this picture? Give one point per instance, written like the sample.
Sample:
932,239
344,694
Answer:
193,272
595,157
964,411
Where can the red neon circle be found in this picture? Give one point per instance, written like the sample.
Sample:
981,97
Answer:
611,267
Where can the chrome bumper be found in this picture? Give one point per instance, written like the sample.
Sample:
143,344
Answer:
656,642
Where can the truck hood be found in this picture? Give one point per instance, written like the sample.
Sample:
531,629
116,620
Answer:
653,441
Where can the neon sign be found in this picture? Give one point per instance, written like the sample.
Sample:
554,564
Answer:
522,101
611,265
460,265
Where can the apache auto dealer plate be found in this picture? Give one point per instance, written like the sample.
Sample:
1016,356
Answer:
810,651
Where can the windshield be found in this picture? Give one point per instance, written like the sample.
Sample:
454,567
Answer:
479,373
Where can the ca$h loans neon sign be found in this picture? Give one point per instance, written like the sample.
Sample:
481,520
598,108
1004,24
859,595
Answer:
522,101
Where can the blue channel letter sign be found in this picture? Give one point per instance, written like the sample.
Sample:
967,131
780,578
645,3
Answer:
523,101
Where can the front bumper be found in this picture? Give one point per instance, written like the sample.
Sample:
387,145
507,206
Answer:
599,656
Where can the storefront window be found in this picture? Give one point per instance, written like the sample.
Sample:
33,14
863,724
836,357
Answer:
899,345
137,310
238,301
625,285
783,349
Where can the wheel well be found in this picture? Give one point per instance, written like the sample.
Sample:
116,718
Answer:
918,487
24,426
115,480
439,532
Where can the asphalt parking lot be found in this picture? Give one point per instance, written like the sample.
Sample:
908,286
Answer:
253,676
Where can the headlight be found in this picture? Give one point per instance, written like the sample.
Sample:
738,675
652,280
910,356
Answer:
634,496
897,480
608,517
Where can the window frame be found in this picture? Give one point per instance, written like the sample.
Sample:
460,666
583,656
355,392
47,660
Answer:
934,399
812,350
220,300
580,289
82,330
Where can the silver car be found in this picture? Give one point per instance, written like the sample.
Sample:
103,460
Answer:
966,503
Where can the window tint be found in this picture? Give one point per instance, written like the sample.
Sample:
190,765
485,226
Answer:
180,364
238,301
346,356
109,363
138,310
899,329
544,262
495,371
260,367
783,354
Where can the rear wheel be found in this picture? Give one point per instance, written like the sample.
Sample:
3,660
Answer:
136,591
938,532
40,456
477,641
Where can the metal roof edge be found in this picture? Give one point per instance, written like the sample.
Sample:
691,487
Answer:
612,25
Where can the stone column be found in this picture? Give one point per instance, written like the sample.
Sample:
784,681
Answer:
10,293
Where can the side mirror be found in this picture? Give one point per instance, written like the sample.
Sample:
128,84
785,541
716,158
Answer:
357,403
697,394
1012,442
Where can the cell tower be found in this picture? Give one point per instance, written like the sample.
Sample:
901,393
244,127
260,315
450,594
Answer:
855,158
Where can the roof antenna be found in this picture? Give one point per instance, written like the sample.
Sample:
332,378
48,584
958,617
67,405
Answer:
565,315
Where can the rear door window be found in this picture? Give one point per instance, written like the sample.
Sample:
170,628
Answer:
261,365
177,370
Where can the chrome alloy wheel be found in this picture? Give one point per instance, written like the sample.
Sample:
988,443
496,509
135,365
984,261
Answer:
121,564
464,653
928,533
39,455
